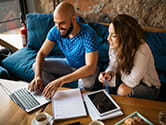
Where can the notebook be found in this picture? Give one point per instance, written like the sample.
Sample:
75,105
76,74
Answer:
25,99
68,103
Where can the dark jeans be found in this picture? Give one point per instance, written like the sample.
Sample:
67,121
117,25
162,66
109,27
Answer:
140,91
145,92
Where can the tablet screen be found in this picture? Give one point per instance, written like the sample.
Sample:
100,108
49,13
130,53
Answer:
102,102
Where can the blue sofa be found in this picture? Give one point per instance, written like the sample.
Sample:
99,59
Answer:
19,64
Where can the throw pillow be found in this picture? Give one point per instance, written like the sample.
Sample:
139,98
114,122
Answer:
38,26
4,73
19,64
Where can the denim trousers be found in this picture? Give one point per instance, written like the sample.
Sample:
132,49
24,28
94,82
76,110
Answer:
140,91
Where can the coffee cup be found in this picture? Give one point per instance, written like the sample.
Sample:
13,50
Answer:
96,122
41,119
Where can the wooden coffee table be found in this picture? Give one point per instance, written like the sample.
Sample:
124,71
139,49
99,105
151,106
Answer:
11,114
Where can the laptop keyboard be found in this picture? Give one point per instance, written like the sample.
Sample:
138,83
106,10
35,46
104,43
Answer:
24,99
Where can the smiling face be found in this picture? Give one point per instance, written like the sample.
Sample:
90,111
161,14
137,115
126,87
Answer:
63,24
112,37
65,19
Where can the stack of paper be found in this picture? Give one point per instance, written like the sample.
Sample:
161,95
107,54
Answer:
101,106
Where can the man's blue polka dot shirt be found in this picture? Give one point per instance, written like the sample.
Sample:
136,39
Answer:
75,48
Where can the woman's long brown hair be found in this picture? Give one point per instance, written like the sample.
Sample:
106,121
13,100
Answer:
129,34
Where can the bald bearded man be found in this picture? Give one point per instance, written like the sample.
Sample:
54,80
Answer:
78,42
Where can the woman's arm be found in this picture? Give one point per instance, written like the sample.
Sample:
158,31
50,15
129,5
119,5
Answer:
139,69
112,68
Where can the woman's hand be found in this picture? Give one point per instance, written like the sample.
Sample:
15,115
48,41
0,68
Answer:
105,76
51,88
124,90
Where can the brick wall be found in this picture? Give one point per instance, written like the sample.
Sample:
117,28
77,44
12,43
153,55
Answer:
150,13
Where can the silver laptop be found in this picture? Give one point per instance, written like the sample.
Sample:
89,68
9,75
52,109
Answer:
27,100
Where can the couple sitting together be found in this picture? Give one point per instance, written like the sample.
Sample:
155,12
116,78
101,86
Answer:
131,70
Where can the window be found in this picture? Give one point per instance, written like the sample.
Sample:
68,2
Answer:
12,14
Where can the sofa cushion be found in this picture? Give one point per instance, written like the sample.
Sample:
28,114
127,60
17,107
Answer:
38,26
162,76
157,43
4,73
20,63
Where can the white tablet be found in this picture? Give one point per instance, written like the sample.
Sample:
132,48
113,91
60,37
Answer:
102,102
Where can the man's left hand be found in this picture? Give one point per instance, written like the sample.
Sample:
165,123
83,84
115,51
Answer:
51,88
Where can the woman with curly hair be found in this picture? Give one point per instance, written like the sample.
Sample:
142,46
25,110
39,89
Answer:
131,69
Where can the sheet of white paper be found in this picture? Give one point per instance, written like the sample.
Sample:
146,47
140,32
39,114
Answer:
68,104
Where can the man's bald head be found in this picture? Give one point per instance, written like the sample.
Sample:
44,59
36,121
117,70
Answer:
65,9
65,19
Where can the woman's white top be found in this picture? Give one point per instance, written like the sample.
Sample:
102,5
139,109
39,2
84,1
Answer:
143,69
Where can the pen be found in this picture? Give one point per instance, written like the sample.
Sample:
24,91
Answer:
106,86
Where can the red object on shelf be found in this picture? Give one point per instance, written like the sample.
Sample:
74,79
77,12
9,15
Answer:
23,32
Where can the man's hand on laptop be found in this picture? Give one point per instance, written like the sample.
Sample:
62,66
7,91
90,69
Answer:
51,88
36,85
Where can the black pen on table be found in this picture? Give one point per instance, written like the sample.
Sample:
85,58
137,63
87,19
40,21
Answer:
106,86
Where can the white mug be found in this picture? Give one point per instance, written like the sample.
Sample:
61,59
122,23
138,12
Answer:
96,122
41,119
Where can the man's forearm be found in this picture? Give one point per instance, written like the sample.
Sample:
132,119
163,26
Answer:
82,72
39,64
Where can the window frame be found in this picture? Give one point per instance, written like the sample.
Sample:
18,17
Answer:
22,15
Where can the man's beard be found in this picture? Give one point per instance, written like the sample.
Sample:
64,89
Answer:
68,31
